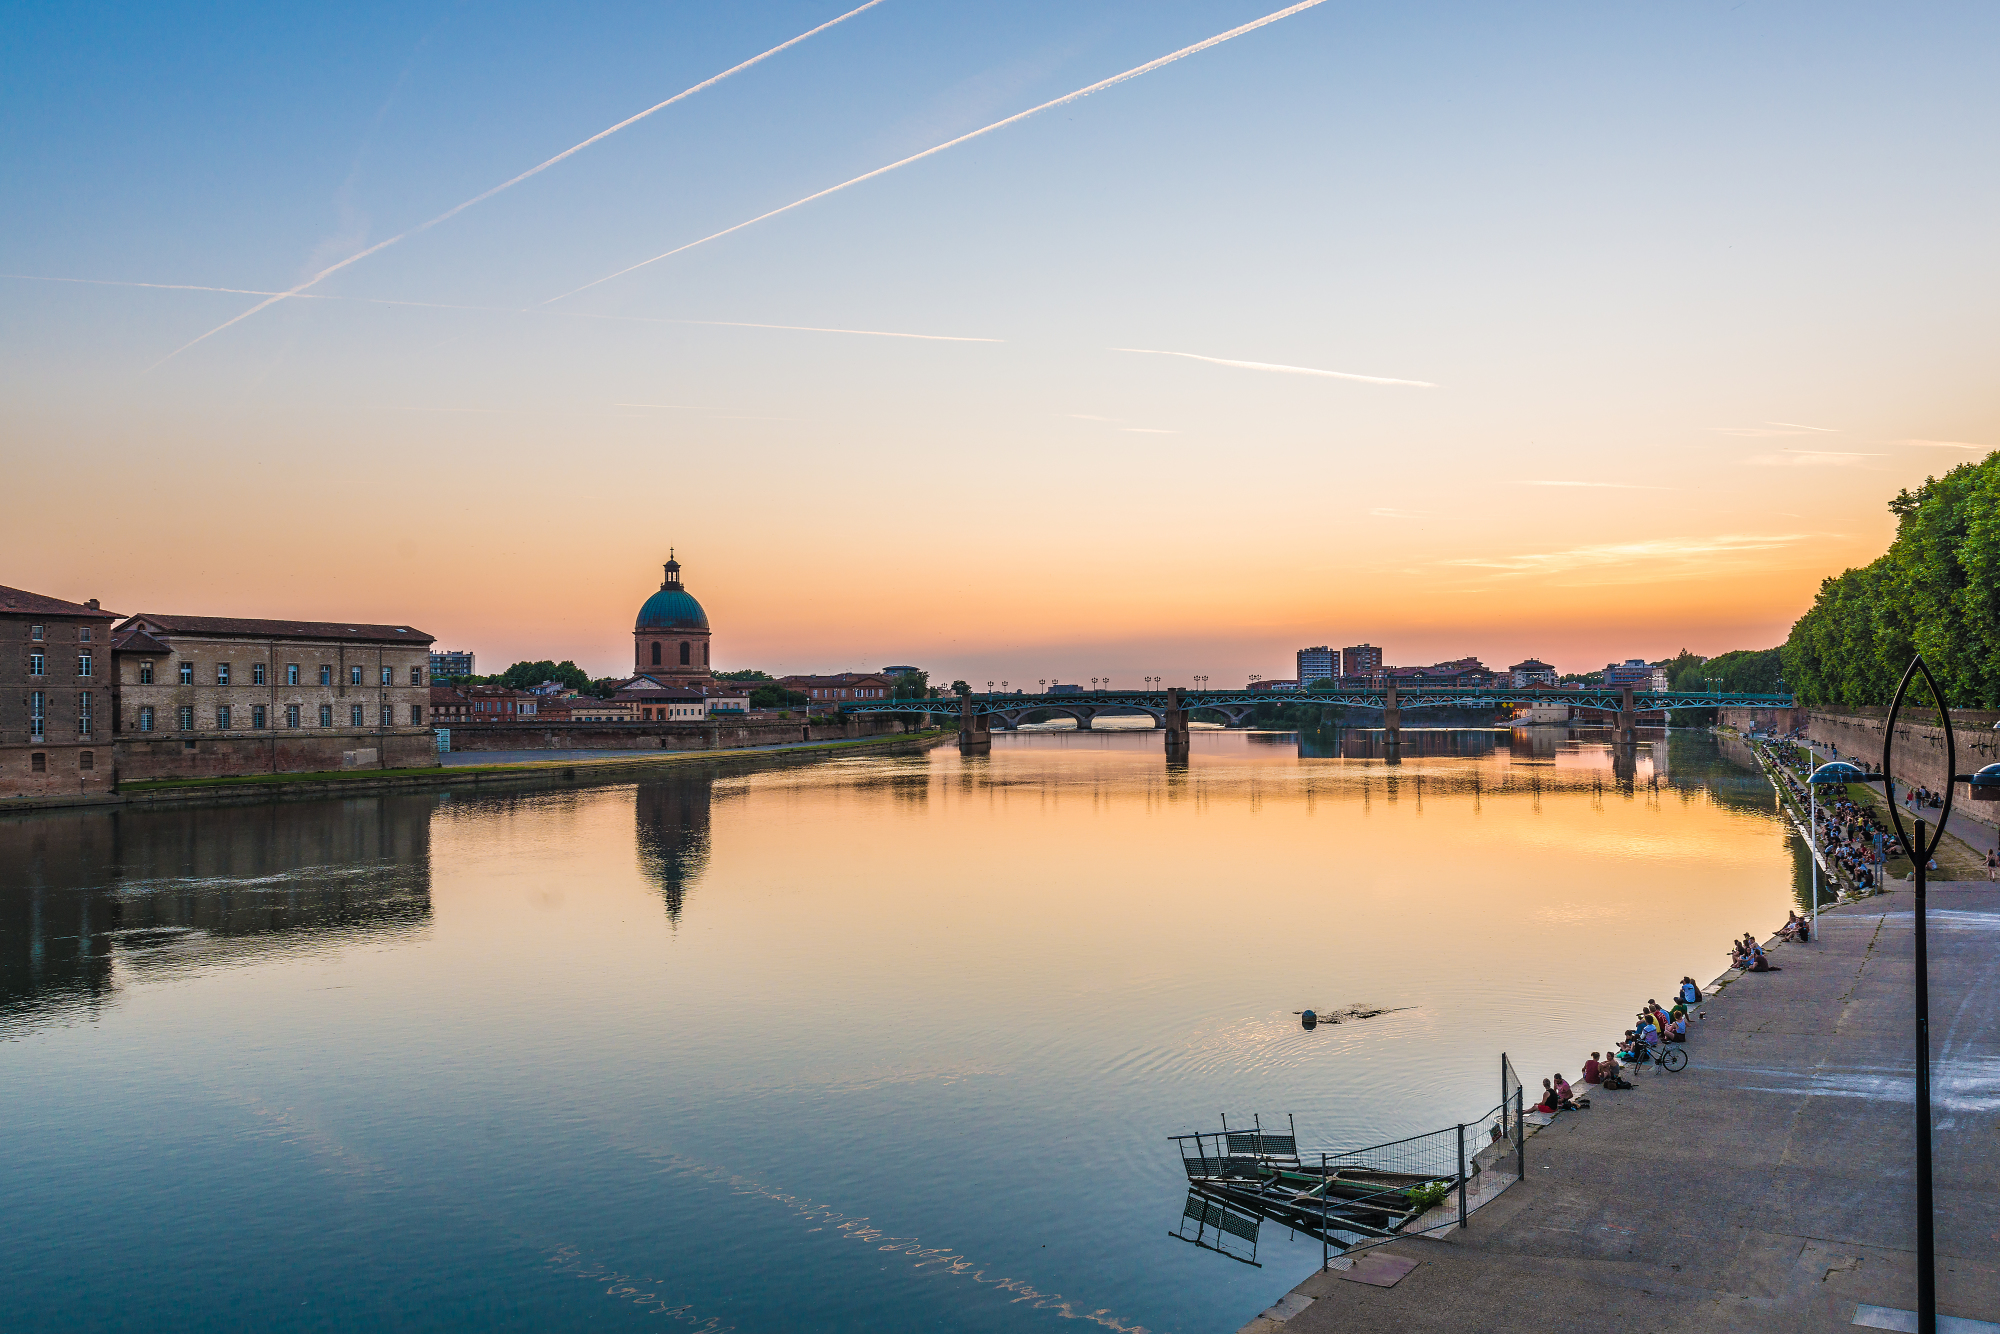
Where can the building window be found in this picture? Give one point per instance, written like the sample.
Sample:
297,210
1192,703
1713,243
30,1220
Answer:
222,673
326,715
37,663
35,633
83,635
388,715
83,713
222,717
704,654
187,718
146,718
145,673
86,759
656,654
291,673
684,653
187,673
256,673
83,664
291,715
37,707
38,762
416,676
355,714
325,674
354,676
257,715
416,714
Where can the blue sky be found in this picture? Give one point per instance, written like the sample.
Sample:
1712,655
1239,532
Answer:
1719,262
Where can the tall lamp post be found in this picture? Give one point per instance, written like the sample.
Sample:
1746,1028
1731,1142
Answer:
1983,786
1834,772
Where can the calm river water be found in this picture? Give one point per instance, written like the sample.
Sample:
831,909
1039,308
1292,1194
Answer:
877,1044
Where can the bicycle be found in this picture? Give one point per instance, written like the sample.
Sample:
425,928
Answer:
1667,1056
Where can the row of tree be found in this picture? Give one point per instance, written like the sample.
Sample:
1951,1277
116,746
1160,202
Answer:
1936,591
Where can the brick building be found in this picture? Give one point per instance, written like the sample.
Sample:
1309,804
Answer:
1533,672
226,695
670,638
844,687
1361,660
55,697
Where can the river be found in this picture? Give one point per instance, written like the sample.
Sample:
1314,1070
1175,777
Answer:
880,1043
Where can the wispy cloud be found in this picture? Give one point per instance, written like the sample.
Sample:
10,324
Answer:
1599,486
1810,458
1285,370
795,328
1099,86
1663,554
1772,430
1946,444
535,170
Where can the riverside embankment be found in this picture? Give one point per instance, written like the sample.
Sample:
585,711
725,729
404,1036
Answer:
567,771
1770,1184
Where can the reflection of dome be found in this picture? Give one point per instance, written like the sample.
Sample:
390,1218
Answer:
673,607
673,837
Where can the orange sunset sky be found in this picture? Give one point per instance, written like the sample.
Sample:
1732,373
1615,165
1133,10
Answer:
1580,334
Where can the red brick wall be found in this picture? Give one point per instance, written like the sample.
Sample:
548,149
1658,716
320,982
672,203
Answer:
231,754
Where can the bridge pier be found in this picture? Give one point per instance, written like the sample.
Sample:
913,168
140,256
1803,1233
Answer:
975,730
1392,726
1082,720
1626,733
1176,721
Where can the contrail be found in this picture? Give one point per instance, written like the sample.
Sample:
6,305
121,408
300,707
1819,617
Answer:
532,171
1146,68
1269,366
504,310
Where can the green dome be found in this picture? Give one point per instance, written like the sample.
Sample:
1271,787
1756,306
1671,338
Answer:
672,608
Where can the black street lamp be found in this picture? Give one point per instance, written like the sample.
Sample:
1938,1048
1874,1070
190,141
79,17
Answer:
1983,786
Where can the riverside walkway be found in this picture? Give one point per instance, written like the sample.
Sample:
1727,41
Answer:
1767,1187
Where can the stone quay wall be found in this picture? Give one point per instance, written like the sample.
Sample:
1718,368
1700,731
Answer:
207,755
1920,754
714,734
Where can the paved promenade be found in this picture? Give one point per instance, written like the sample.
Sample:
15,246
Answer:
1767,1187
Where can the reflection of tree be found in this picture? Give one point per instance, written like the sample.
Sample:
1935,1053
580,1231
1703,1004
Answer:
673,836
172,890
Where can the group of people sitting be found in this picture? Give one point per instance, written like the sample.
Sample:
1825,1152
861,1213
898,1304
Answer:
1746,954
1641,1045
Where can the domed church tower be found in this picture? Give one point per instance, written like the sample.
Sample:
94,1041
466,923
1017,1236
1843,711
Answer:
671,636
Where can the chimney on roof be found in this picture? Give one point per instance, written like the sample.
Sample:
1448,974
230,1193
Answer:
92,604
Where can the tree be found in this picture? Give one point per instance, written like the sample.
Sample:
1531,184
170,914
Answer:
523,675
747,674
771,695
1936,590
961,689
911,685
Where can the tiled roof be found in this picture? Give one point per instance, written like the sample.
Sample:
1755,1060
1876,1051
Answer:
20,600
138,641
238,625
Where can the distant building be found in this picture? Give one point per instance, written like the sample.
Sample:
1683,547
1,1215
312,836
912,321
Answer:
448,664
232,695
1273,687
841,688
1064,688
654,701
1634,672
56,701
1533,672
670,637
1318,664
1361,660
893,672
501,704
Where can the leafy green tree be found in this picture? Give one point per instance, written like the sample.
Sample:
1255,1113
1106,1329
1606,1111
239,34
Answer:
523,675
747,674
1935,591
960,688
771,695
911,685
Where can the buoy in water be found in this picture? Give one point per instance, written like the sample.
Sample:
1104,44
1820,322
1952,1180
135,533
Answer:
1308,1020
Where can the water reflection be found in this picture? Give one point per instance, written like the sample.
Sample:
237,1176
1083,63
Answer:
92,900
674,819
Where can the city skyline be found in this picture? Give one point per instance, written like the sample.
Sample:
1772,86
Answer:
1348,320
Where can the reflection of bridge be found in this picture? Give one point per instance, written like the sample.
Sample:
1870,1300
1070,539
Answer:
1170,709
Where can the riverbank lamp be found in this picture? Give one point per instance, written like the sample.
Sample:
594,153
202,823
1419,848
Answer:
1983,785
